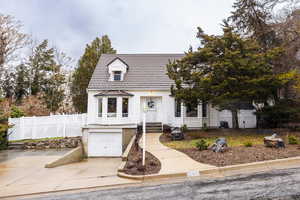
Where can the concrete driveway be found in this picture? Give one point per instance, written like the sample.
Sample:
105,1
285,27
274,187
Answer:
23,172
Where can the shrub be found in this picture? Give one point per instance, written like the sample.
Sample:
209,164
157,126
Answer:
3,136
248,144
205,128
202,145
292,139
283,112
183,128
166,128
16,112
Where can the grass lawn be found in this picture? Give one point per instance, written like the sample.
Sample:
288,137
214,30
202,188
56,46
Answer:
235,138
233,141
35,140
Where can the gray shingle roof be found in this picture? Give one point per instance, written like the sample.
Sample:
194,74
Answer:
146,71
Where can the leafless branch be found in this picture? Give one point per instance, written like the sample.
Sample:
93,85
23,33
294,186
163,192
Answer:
11,39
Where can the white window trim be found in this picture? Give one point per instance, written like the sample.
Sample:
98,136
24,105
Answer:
114,73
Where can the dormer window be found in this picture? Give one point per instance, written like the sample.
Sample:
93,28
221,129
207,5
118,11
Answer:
117,69
117,75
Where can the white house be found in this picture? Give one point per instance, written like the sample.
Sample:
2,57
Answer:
122,85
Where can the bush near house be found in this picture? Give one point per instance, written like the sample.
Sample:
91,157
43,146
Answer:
279,115
248,144
293,139
202,145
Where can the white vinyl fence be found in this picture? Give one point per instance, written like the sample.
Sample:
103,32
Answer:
46,126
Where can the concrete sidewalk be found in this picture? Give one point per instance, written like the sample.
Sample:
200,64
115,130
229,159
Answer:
172,161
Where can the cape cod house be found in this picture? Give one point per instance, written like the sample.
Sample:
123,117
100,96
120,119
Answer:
123,86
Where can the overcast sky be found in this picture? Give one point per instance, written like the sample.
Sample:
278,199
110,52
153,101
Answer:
134,26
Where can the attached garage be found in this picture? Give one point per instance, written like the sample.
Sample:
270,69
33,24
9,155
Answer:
101,144
106,141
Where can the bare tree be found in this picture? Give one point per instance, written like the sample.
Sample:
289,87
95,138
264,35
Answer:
11,39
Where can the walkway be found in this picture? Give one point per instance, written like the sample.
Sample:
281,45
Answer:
172,161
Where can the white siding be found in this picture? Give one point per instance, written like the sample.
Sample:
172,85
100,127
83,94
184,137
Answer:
246,116
166,112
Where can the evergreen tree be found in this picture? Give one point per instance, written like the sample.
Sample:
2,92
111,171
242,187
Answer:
273,23
21,83
53,91
85,69
227,71
40,62
47,78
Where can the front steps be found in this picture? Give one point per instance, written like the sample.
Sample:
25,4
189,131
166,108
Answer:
154,127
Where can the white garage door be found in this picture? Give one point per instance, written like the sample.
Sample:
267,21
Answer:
105,144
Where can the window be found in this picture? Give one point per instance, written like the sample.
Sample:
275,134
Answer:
111,107
100,107
191,110
204,109
125,107
117,75
177,108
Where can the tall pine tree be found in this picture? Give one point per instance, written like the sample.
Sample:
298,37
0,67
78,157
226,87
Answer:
85,69
21,83
227,71
40,62
47,78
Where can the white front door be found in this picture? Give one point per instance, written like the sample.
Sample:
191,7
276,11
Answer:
152,105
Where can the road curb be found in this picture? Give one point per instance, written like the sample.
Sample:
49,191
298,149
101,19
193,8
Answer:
151,176
216,170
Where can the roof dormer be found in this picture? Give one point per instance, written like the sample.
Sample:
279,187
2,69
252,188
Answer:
117,69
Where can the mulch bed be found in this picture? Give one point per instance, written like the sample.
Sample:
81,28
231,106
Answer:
240,155
134,163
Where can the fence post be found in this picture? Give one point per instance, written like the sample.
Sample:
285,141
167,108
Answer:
83,119
9,123
64,131
33,133
21,129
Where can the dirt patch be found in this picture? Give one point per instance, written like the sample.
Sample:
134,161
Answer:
241,155
134,163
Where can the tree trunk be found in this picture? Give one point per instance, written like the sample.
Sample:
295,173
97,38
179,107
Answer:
235,120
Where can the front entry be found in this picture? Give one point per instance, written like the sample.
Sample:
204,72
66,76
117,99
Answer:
153,107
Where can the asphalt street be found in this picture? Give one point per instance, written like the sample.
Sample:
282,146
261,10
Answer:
273,185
